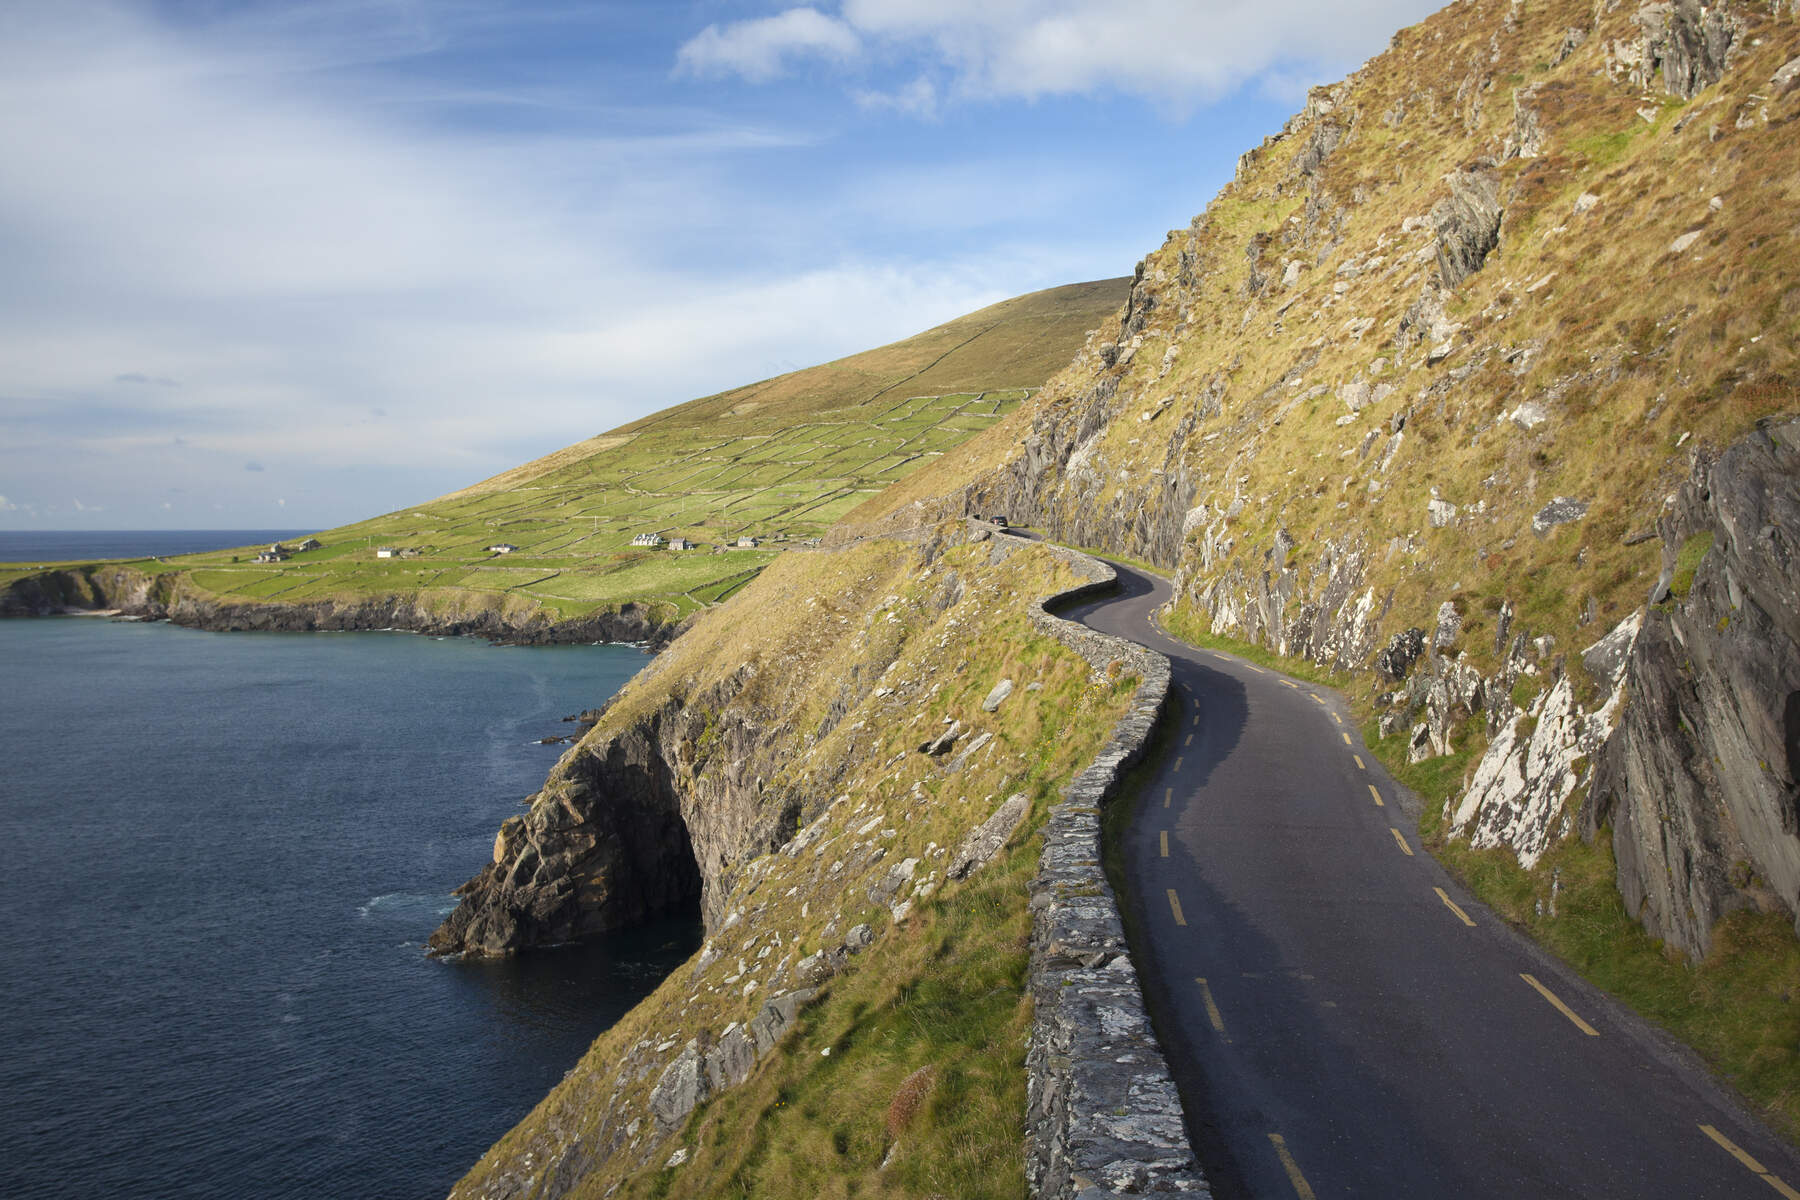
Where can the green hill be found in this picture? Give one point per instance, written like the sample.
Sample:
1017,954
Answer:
776,461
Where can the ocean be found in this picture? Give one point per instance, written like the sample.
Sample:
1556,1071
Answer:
224,854
65,545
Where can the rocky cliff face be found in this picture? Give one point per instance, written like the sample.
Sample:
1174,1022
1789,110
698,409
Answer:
1417,393
1700,779
136,593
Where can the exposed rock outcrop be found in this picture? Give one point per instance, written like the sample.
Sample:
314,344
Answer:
1701,779
167,597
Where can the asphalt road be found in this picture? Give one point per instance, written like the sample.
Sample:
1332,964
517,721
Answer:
1341,1017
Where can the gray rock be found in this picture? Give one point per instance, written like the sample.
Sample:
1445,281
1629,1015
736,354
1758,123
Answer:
777,1017
998,696
1605,659
943,741
729,1063
860,938
962,760
1528,415
815,968
1401,652
683,1086
1786,79
882,890
1698,781
1467,223
986,840
1440,512
1449,626
1689,45
1561,511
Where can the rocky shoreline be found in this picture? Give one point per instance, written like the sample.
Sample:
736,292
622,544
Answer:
127,593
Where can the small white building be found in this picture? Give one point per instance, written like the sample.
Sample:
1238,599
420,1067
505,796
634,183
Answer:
652,540
747,542
386,552
680,544
502,548
274,554
311,544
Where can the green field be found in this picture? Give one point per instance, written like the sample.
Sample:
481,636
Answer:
778,461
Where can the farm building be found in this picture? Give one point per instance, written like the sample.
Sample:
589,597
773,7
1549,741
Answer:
502,548
680,544
386,552
647,539
747,542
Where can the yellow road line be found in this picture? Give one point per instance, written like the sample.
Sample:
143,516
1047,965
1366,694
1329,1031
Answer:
1178,761
1168,797
1453,906
1175,907
1562,1008
1316,697
1345,736
1196,719
1743,1156
1290,683
1402,840
1212,1010
1377,796
1337,718
1190,740
1302,1188
1258,670
1359,762
1165,843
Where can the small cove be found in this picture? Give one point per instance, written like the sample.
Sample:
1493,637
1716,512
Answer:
225,853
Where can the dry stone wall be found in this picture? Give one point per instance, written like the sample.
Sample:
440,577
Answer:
1104,1117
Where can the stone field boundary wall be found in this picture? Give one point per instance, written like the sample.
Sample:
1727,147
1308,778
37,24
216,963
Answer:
1103,1116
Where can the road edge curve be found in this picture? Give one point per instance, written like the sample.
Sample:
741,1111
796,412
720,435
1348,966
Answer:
1103,1115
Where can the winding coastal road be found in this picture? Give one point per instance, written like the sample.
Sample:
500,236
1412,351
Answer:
1341,1017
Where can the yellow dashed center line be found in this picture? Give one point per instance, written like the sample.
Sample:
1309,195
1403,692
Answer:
1346,738
1290,683
1453,906
1196,719
1376,796
1562,1008
1359,762
1743,1156
1258,670
1175,907
1189,741
1317,699
1168,797
1337,718
1401,840
1302,1188
1178,761
1165,843
1212,1010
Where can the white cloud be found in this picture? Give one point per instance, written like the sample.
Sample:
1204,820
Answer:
1177,53
760,49
916,99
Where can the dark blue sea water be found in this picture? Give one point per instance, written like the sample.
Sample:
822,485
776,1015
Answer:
222,855
65,545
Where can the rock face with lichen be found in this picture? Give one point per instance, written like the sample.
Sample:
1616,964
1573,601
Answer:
1417,393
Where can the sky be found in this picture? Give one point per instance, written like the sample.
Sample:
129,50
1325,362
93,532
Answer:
292,263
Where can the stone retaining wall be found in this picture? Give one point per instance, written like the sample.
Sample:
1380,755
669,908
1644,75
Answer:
1103,1115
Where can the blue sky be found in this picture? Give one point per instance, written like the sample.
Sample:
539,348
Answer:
290,264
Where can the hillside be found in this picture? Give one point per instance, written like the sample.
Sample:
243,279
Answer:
1476,391
776,461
